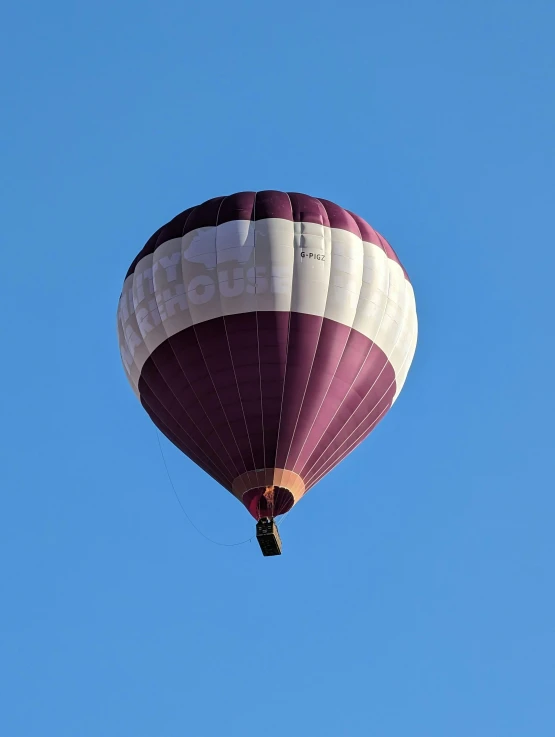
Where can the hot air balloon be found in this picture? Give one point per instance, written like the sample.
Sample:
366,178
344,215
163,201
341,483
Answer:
266,334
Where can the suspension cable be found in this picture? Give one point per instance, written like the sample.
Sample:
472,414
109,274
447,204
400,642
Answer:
193,525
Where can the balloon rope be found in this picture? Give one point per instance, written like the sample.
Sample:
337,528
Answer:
214,542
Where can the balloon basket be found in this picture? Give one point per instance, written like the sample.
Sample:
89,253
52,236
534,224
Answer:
268,537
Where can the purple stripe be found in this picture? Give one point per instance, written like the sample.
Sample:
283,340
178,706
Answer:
190,447
363,376
304,336
264,390
273,336
293,206
241,346
307,209
331,345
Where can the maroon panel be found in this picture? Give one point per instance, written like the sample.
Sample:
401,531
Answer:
332,342
273,337
185,443
308,209
242,348
363,375
264,390
340,218
174,228
178,375
304,334
202,216
272,204
260,205
164,398
238,206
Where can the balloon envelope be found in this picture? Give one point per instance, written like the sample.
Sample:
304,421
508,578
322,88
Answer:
266,334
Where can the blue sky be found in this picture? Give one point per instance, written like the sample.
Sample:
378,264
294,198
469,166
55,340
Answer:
425,605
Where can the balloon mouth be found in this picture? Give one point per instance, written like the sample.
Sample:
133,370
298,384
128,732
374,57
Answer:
268,501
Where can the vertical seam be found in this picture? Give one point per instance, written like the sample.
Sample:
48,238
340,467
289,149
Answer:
288,333
322,471
228,343
237,472
151,356
205,465
258,337
317,341
344,347
388,356
302,473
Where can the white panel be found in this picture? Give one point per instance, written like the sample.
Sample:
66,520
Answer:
390,326
235,242
236,268
129,364
170,289
403,354
272,264
345,279
199,247
199,260
311,268
373,292
147,313
132,335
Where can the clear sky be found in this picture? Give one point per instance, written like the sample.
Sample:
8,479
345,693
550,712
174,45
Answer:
425,605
